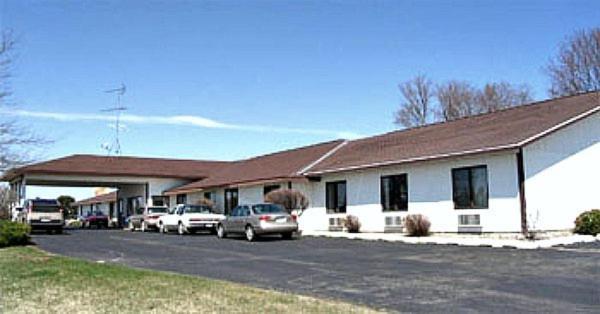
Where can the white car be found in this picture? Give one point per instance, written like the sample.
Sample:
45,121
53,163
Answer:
189,219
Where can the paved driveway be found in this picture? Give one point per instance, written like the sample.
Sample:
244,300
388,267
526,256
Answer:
394,276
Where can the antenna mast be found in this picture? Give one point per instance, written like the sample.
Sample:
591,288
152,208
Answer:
116,145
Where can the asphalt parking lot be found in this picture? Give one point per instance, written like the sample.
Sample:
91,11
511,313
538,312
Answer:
393,276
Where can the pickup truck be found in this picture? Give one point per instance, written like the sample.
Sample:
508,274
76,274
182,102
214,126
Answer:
44,214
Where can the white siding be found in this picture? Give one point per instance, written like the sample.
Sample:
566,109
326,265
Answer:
430,193
251,194
562,171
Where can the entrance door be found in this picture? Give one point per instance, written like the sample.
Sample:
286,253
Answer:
231,200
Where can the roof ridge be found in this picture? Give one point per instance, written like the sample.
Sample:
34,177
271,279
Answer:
290,150
140,157
323,157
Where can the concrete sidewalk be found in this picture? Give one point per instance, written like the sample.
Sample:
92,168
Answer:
461,240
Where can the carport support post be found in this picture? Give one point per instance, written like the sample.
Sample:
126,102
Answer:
147,194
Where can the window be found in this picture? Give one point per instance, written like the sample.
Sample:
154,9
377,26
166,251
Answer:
197,209
181,198
159,200
470,187
245,211
270,188
208,195
336,196
231,199
394,193
267,209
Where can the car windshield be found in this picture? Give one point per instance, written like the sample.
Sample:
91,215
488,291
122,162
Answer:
99,213
157,210
267,209
198,209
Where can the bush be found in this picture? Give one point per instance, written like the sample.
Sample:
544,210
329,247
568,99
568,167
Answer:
588,222
290,199
73,223
417,225
13,233
205,202
352,224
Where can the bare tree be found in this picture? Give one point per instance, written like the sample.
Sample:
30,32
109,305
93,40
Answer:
14,140
576,68
496,96
456,99
7,197
415,109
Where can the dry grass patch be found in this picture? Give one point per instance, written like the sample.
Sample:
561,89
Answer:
34,281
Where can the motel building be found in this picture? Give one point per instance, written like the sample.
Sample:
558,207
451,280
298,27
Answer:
531,167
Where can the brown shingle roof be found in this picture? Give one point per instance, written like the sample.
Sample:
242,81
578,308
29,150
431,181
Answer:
102,198
121,166
281,165
503,129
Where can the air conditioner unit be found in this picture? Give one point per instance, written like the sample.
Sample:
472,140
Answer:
393,224
469,224
336,224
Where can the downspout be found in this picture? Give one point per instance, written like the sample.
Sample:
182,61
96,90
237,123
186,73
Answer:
522,199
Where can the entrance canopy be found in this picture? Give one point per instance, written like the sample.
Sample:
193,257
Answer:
135,174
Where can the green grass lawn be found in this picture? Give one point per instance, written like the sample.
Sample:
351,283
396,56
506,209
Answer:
34,281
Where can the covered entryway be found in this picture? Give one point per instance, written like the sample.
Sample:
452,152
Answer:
139,181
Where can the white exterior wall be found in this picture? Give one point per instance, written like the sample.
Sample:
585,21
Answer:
251,194
157,186
562,172
103,207
429,193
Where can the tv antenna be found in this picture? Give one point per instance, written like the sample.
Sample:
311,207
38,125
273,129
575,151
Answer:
115,147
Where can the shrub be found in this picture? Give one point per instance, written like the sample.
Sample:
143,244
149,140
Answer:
352,224
13,233
588,222
74,223
290,199
417,225
205,202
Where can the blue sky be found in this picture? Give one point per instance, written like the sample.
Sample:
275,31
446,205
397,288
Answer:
232,79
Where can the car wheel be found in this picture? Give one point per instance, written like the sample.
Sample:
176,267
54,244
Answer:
144,227
131,227
181,229
59,231
250,235
162,228
221,232
287,235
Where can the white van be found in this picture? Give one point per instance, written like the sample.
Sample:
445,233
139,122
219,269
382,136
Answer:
45,214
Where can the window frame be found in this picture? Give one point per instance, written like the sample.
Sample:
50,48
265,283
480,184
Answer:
337,209
471,193
382,198
270,188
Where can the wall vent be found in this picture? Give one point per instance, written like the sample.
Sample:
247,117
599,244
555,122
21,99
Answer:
335,224
469,224
393,224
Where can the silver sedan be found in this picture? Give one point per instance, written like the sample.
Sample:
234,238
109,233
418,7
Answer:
256,220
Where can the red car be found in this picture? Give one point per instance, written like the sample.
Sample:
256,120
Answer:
97,219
